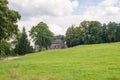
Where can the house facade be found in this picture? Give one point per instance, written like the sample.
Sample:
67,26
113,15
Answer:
57,44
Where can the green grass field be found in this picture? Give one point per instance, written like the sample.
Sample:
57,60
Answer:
87,62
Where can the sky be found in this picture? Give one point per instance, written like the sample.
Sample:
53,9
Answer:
61,14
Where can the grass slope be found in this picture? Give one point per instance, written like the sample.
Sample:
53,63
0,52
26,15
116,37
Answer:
87,62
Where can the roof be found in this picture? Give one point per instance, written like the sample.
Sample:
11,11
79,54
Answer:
58,41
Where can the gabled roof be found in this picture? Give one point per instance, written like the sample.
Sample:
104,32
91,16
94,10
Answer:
57,41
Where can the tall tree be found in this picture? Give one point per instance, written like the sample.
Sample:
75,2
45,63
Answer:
118,32
23,45
41,36
78,36
111,31
104,33
74,36
84,27
92,31
8,20
70,36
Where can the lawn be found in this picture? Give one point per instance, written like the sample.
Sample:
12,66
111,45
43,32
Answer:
85,62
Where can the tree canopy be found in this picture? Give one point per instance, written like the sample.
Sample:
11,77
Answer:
41,36
23,45
91,32
8,20
8,25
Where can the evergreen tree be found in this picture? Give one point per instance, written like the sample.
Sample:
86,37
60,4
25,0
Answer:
23,45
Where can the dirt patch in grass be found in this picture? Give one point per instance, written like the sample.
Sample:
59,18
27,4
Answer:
9,58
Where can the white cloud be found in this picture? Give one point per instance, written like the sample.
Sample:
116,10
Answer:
109,2
56,29
45,7
113,10
75,3
58,14
104,12
57,25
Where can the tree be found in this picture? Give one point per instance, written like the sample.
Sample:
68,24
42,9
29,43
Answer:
23,45
84,27
5,48
112,31
8,20
78,36
41,36
15,39
92,31
62,37
104,33
118,32
70,36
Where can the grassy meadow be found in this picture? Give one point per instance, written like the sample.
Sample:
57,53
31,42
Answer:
85,62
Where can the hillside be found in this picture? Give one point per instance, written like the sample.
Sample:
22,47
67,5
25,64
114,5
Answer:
86,62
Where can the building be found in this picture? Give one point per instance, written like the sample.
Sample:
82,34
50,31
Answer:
57,44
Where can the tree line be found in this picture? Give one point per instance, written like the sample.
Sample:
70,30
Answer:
92,32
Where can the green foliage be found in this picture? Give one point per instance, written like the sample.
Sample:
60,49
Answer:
69,36
41,36
104,33
8,26
23,45
5,48
85,62
62,37
117,34
74,36
111,31
91,32
8,20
